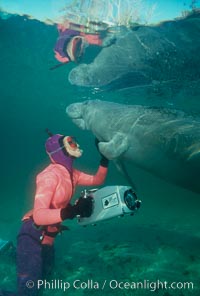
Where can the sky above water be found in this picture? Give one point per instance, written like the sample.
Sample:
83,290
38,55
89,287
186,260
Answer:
50,9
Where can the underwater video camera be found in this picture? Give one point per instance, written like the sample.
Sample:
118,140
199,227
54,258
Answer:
109,202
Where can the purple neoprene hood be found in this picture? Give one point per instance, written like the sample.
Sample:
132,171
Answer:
63,40
54,149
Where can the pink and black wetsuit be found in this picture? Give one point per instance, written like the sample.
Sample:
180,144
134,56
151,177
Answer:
61,44
55,186
54,189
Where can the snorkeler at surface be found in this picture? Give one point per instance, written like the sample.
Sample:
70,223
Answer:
55,186
72,41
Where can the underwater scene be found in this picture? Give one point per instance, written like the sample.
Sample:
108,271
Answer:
123,88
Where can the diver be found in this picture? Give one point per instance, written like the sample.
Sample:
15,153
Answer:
72,42
55,186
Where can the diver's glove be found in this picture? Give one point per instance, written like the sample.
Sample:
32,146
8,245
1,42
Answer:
104,161
82,208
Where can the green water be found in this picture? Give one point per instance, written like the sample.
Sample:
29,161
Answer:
160,243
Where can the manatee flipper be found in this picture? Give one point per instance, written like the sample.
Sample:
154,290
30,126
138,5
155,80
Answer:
115,147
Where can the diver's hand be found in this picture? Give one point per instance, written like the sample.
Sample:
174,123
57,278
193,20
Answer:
96,142
104,161
69,212
83,208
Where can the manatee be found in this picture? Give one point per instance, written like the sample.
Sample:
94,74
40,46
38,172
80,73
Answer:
146,55
162,141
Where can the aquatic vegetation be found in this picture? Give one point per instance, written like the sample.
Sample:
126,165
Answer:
100,14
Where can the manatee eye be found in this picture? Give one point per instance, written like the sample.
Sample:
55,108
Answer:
86,102
93,102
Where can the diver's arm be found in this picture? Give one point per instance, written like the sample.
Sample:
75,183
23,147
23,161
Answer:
84,179
97,179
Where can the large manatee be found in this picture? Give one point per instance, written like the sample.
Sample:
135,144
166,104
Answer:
164,142
145,55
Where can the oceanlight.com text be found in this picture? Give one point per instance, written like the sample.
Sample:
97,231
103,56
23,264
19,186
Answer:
91,284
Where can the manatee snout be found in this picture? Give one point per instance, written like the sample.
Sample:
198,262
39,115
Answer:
80,75
74,111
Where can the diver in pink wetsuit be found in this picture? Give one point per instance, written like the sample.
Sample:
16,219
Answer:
55,186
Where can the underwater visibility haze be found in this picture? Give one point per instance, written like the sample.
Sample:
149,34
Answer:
140,96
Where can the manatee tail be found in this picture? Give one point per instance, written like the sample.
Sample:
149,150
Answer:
122,168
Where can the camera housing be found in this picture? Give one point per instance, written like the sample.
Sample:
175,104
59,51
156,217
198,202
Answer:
110,202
